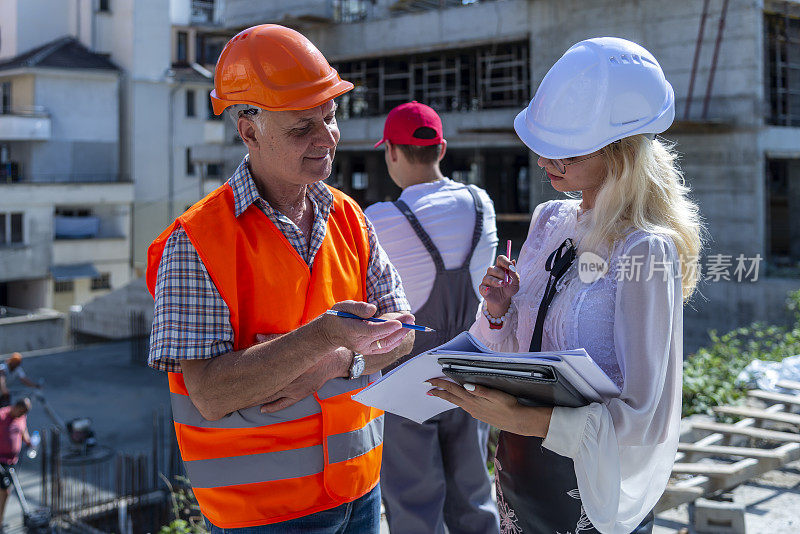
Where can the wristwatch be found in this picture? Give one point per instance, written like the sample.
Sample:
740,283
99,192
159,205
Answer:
357,367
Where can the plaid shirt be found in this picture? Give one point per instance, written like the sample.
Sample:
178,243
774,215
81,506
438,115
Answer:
192,321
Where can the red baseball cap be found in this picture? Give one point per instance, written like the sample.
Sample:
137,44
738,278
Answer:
402,126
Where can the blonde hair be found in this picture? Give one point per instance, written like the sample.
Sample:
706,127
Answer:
645,189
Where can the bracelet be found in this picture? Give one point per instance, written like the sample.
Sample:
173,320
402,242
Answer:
491,318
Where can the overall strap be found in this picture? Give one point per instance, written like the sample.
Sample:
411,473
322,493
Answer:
476,232
422,234
557,264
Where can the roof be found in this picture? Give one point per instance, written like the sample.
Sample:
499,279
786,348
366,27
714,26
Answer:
64,53
192,73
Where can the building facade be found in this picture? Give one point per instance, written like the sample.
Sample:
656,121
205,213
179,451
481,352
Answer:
733,65
99,116
64,204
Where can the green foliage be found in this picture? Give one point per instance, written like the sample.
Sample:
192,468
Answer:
181,526
188,518
709,376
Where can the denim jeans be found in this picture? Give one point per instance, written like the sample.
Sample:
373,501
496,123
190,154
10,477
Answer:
362,516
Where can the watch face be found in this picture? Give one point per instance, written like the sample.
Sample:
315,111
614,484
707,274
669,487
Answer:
358,367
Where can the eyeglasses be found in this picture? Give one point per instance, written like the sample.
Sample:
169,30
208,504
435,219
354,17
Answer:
561,166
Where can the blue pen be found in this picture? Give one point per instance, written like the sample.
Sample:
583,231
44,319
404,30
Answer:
376,320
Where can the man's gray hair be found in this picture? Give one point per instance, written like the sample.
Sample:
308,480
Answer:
257,115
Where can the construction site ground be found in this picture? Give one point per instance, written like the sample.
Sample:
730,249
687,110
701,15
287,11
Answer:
100,382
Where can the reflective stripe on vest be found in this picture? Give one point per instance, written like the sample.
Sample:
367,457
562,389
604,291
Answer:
250,468
279,465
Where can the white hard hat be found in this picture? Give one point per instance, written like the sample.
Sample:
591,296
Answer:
601,90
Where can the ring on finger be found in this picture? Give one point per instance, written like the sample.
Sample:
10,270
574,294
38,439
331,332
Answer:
378,343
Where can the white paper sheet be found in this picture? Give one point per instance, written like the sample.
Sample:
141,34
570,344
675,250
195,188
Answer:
403,390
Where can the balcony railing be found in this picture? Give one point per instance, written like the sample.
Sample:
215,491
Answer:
7,312
76,227
25,123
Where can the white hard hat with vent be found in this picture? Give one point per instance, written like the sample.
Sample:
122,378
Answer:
601,90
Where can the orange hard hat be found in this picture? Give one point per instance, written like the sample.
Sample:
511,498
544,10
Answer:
274,68
15,359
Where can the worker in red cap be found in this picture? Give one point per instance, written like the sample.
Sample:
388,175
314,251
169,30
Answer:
12,368
260,377
441,236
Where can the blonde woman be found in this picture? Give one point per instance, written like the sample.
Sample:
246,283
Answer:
600,467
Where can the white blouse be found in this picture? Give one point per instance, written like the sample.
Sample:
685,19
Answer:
630,321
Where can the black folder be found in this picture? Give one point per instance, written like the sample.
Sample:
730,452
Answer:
533,384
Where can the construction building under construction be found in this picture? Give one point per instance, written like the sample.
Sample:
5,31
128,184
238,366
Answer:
734,65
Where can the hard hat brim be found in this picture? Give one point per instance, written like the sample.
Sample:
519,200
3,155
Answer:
317,99
548,150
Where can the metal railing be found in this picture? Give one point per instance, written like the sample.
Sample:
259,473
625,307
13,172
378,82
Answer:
16,177
7,312
25,111
106,489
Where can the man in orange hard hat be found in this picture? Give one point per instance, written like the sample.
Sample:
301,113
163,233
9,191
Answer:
260,376
12,368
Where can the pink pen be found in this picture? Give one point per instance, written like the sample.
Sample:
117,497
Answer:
508,255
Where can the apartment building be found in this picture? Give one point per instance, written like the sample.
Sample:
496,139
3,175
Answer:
64,204
99,116
734,64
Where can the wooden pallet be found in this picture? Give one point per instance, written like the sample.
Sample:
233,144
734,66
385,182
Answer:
725,465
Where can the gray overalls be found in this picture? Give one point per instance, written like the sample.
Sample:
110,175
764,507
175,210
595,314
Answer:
435,472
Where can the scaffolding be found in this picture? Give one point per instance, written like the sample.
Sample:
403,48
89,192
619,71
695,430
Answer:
464,79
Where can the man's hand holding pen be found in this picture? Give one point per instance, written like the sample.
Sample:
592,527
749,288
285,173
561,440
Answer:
363,336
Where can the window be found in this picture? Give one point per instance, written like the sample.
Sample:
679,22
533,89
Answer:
360,180
190,100
63,286
103,6
11,229
103,281
783,212
9,172
350,10
208,47
189,165
74,212
782,46
214,170
202,11
181,51
16,228
5,97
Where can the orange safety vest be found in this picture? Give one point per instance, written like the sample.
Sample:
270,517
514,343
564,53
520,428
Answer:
250,468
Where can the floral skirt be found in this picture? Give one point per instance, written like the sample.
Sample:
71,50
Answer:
537,491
